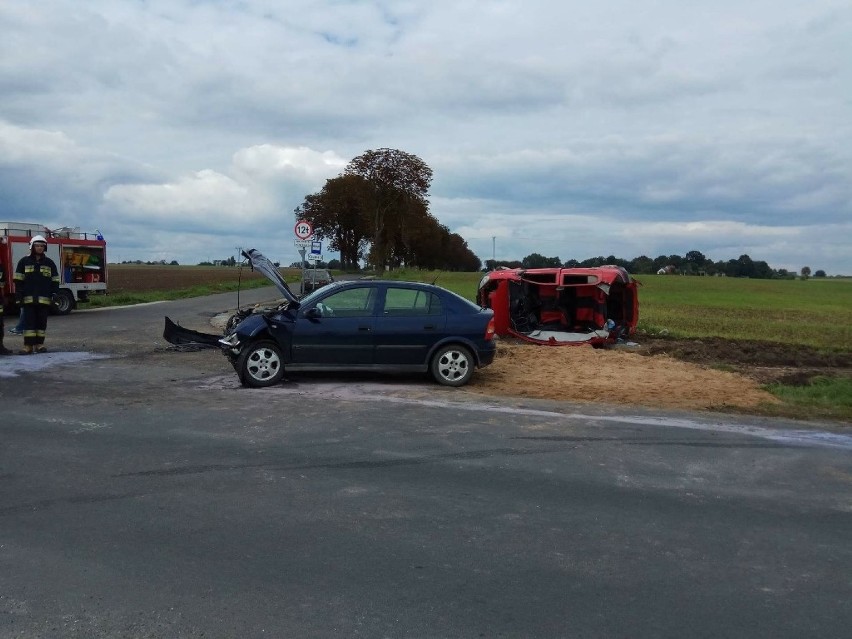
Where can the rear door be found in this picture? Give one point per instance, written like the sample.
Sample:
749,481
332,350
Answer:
411,320
342,334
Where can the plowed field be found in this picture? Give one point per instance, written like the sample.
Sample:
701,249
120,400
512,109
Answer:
142,278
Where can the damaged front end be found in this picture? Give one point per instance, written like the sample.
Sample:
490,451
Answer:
562,306
183,337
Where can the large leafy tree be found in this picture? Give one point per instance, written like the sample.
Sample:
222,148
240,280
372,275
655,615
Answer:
381,200
340,212
399,184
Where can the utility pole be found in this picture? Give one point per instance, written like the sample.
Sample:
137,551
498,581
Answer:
494,248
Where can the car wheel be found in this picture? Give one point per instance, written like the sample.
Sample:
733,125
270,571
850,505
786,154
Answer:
260,364
453,366
64,302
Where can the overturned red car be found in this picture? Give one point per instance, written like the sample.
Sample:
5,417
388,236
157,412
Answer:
562,306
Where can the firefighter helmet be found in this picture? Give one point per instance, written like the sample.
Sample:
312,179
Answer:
38,238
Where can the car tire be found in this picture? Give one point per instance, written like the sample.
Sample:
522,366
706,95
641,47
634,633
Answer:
261,364
452,365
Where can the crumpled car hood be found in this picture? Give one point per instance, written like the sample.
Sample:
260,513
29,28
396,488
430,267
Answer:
259,262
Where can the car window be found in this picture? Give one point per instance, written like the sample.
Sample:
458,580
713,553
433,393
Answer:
350,302
406,302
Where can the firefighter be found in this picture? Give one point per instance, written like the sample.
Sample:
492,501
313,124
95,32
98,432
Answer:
36,285
3,349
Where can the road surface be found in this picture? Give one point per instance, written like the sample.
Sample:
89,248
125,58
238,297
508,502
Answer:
143,493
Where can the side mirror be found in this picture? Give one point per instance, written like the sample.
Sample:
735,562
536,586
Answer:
313,313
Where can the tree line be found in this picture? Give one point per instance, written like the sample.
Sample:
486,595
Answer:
378,210
693,263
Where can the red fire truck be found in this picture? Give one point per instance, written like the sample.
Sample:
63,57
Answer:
79,256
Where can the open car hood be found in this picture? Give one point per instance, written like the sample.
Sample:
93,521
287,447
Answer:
259,262
188,338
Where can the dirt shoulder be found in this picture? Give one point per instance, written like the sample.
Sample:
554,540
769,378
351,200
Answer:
706,374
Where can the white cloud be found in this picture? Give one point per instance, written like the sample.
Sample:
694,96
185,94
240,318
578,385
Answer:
179,117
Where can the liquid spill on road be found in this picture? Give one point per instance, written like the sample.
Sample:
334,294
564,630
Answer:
12,365
415,394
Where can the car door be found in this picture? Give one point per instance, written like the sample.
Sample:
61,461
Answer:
411,320
337,329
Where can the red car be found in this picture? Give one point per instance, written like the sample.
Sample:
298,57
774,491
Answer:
562,306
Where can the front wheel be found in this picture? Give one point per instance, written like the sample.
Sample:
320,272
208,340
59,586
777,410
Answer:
260,364
452,366
64,302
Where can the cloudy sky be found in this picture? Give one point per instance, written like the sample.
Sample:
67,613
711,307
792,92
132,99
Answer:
183,129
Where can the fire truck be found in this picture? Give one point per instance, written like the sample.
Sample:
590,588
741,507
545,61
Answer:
79,256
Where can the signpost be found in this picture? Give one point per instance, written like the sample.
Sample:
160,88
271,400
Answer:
316,252
304,230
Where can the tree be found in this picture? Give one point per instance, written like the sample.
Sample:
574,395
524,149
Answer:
535,260
399,182
696,257
806,272
819,273
340,213
641,264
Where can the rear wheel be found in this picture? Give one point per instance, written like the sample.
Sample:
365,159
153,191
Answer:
64,302
453,366
261,364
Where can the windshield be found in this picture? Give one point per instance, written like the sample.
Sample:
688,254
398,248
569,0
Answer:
307,300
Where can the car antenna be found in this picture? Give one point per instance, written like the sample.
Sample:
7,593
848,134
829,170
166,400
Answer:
437,275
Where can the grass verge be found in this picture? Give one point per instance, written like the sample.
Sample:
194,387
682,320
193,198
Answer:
822,398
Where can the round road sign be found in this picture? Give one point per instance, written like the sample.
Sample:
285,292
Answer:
303,229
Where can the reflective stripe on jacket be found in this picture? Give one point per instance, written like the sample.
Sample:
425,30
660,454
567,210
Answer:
36,280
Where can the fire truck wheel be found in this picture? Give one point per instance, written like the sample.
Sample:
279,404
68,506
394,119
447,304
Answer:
64,302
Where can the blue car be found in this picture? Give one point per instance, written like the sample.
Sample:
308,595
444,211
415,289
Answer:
374,325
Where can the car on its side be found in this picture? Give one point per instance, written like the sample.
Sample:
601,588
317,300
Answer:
562,306
372,325
315,278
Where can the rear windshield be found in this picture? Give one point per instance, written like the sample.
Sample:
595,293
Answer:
458,304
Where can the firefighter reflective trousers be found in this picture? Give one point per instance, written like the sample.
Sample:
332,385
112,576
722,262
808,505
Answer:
35,323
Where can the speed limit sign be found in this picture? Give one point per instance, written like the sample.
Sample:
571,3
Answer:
303,229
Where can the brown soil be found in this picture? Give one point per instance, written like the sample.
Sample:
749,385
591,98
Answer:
714,373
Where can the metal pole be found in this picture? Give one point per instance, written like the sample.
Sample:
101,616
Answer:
302,279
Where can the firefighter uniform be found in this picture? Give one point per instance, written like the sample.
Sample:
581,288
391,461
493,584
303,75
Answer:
36,282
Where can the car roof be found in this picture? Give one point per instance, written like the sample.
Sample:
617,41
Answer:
370,280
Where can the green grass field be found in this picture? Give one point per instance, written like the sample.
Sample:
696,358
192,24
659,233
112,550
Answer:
814,312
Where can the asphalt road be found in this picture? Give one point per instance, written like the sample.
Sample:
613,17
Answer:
145,494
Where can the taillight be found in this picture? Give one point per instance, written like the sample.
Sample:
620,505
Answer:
489,330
